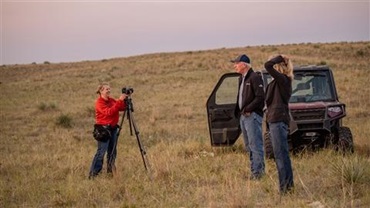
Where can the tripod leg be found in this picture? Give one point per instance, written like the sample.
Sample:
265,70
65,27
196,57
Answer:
141,147
129,121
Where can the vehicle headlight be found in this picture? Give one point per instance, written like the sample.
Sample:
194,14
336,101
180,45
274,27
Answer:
334,111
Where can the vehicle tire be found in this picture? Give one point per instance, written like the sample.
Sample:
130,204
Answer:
269,152
345,140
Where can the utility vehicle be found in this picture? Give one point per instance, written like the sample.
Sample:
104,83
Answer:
315,110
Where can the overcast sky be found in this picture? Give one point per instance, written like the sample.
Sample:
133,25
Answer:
70,31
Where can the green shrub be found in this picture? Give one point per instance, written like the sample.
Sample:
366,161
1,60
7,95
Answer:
360,53
322,63
64,121
45,107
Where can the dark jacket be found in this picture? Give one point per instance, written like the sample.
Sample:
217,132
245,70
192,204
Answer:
278,93
253,94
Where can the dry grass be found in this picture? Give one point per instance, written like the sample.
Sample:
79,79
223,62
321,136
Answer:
46,145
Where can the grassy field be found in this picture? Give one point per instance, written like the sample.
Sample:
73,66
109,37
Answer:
47,115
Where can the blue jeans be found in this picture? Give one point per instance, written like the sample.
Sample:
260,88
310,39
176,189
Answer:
279,140
252,134
111,148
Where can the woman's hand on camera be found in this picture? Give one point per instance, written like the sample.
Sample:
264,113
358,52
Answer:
122,97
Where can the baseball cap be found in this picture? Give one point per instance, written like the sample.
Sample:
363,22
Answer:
242,58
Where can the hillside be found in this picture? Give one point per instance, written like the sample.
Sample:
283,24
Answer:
47,115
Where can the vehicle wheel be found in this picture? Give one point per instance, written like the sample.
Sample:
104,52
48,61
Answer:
269,152
345,140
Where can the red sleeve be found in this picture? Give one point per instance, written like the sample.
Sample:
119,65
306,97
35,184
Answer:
107,111
106,107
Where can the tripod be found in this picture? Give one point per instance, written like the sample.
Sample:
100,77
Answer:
129,111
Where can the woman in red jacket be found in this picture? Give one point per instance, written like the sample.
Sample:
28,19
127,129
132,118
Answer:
107,114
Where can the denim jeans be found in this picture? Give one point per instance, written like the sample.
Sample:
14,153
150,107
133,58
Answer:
252,134
111,148
279,140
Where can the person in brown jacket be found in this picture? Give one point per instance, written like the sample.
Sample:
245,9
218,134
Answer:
278,93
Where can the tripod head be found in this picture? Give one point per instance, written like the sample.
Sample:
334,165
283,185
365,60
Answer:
127,90
128,101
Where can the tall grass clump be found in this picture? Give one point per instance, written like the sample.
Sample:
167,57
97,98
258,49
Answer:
322,63
64,121
352,169
353,174
45,107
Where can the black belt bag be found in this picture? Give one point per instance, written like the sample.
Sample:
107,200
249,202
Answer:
102,133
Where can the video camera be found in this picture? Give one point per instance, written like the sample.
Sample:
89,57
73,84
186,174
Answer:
127,90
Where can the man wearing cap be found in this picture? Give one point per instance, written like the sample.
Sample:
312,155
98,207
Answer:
250,103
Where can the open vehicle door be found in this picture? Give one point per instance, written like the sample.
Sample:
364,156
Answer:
223,125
